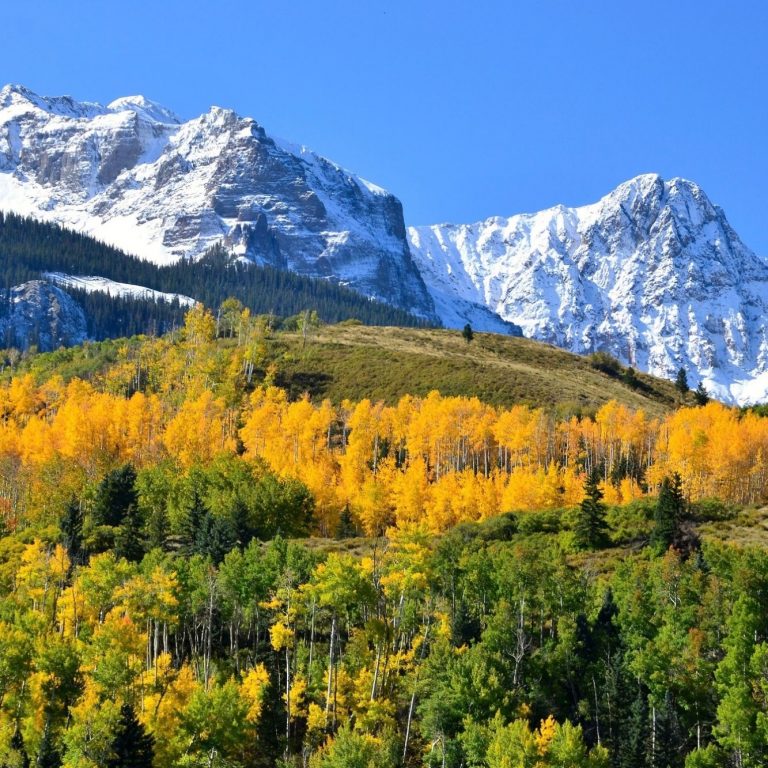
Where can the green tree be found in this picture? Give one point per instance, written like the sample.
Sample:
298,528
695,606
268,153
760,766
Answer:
467,333
132,746
352,749
48,755
629,377
669,513
281,506
129,541
591,530
700,394
681,382
115,493
737,712
72,531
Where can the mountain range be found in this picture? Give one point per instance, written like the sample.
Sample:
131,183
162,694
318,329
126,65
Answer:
652,273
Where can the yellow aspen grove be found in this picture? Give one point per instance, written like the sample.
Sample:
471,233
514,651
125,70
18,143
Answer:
432,460
198,432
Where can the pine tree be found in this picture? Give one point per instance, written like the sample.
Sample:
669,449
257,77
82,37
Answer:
128,540
195,519
116,492
700,394
467,333
20,759
72,531
591,530
681,382
669,513
241,523
132,746
346,526
634,746
157,528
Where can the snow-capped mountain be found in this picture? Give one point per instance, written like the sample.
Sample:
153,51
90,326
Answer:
96,284
37,309
134,175
652,273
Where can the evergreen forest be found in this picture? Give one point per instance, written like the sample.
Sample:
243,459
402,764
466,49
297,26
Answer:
30,248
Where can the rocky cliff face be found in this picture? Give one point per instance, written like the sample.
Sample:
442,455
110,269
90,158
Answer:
132,174
652,273
41,311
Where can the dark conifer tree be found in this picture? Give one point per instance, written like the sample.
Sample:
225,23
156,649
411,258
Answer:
115,494
634,747
591,530
128,539
467,333
72,532
669,513
21,759
700,395
157,529
681,382
132,746
216,538
195,524
241,523
346,526
48,756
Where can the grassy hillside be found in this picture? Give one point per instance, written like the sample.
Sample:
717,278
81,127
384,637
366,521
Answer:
386,363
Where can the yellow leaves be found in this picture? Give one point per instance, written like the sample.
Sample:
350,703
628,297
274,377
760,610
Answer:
35,444
316,720
149,598
253,690
280,635
198,432
297,702
199,326
443,622
545,734
428,462
162,711
41,573
530,489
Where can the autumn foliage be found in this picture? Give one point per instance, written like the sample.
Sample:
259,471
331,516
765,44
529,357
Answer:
434,461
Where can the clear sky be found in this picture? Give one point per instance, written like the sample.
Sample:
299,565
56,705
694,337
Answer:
463,109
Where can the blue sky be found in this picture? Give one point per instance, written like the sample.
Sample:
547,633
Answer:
463,109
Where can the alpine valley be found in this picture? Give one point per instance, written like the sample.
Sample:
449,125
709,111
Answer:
652,274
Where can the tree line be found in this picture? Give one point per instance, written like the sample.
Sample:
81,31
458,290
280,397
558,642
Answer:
31,248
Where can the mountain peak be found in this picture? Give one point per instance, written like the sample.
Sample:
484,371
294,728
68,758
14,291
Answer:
145,106
640,189
652,273
14,94
163,190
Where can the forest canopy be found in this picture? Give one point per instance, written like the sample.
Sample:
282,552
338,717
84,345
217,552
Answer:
197,569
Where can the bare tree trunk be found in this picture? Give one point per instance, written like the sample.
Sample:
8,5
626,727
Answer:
330,670
413,694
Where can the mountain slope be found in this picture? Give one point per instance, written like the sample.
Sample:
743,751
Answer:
41,313
349,361
135,176
652,273
122,295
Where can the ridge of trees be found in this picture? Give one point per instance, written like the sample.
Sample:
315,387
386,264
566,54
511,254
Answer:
30,248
